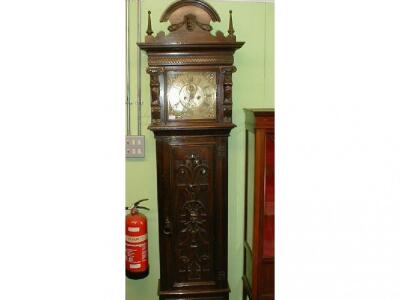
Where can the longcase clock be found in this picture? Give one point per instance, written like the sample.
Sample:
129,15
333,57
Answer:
191,116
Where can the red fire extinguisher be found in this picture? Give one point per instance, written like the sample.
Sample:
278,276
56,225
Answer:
136,250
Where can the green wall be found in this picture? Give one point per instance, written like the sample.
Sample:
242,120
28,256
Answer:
253,87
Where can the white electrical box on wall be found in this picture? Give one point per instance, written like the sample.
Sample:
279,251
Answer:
134,146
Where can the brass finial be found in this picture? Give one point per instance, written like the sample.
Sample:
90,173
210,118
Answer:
231,31
149,29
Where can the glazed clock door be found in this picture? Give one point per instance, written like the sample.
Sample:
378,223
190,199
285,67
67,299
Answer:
189,228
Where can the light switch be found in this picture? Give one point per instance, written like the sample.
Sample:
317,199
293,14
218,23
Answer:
134,146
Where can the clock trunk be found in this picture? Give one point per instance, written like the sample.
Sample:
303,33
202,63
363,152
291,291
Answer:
192,202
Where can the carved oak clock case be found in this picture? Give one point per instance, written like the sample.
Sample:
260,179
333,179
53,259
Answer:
191,116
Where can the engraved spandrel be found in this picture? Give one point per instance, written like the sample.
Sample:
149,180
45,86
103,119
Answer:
191,95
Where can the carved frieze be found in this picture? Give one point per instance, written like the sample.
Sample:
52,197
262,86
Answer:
158,60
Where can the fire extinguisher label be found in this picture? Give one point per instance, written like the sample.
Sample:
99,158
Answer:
134,266
133,229
136,239
136,256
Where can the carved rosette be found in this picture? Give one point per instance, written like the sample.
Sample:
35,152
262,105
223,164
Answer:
154,73
227,103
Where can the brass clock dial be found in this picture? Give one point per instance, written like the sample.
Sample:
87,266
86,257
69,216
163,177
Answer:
191,95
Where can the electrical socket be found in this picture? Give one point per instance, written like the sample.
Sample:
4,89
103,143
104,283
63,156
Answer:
134,146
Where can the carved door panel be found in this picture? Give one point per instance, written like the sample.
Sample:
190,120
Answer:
189,226
192,210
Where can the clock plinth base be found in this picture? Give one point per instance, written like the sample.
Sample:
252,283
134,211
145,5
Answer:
201,293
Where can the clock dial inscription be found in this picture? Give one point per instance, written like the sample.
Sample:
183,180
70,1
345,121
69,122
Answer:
191,95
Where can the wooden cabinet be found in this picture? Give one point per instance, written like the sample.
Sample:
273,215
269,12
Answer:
259,252
190,72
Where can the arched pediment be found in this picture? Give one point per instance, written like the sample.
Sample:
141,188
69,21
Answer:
189,24
198,6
